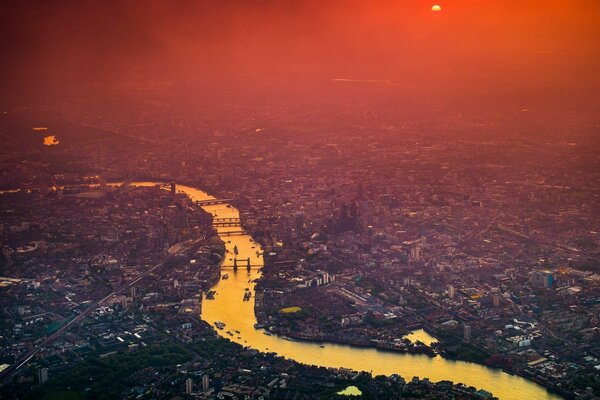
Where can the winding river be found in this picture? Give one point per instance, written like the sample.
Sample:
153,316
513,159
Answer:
238,315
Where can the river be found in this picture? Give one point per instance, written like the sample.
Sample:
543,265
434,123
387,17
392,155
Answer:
238,315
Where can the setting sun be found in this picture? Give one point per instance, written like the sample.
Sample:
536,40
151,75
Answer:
436,8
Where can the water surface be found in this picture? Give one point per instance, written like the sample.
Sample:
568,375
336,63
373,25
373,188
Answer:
238,315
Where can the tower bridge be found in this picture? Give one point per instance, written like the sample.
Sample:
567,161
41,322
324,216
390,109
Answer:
239,263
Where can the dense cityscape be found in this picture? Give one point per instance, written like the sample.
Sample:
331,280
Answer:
254,236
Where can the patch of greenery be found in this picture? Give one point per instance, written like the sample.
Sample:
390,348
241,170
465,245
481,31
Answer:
106,378
586,380
61,395
468,352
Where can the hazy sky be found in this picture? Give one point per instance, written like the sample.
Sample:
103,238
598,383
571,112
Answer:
469,45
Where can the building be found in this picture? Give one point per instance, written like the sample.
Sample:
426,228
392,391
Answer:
299,219
189,386
205,383
451,292
415,248
319,279
496,300
348,219
125,302
467,333
541,279
42,375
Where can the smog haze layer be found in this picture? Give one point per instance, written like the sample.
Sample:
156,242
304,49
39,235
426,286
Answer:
538,55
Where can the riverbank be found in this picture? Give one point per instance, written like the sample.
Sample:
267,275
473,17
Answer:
239,316
339,337
287,327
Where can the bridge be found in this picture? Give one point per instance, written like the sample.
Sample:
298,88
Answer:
227,220
242,263
172,187
233,233
224,222
213,202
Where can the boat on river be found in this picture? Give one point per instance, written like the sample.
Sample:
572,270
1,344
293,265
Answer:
219,324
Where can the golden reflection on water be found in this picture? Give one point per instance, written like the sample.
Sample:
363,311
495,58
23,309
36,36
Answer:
421,336
238,316
51,140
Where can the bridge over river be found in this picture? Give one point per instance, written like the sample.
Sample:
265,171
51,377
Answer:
238,315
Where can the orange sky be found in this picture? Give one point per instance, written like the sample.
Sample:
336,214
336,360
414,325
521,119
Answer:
470,44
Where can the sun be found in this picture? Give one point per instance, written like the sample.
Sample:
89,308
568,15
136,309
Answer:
436,8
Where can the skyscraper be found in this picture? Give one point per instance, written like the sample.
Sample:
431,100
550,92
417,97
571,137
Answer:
189,386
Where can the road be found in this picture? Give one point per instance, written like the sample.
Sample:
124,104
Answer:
175,250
